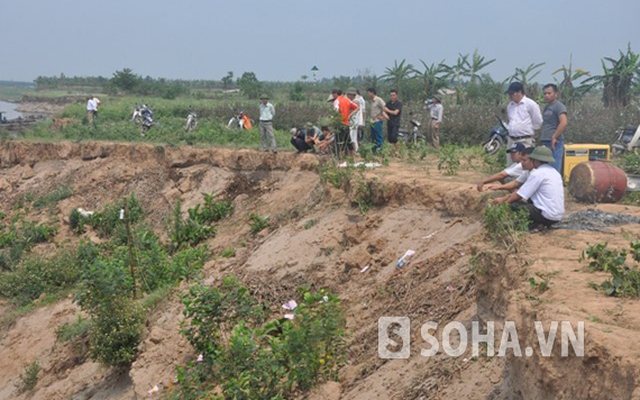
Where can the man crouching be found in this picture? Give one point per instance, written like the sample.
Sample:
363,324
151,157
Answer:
542,195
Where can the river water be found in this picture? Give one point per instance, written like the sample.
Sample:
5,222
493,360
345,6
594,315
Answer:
9,110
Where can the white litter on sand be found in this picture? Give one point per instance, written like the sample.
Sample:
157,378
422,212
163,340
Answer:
358,164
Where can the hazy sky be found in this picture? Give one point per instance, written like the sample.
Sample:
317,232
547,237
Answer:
283,39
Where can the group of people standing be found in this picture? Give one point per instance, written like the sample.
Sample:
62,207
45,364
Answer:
535,173
352,109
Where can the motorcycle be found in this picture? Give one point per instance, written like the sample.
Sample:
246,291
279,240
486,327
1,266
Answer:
413,137
240,121
497,138
627,140
192,121
143,116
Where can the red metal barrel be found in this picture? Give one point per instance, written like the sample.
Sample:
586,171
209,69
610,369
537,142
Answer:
597,182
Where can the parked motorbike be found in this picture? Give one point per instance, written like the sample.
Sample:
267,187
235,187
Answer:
240,121
627,140
192,121
413,137
143,116
497,138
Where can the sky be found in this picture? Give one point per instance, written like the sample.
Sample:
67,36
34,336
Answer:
281,40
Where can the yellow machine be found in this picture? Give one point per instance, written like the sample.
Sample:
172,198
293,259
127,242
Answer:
575,154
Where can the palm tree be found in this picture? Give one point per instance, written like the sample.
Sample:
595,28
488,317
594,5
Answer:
477,63
619,79
567,86
398,73
526,75
456,73
432,77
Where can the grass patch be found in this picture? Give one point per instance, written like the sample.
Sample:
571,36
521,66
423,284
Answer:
53,197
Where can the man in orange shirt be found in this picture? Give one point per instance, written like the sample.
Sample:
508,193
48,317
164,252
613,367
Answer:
346,108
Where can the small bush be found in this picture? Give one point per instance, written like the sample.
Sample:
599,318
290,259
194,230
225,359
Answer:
115,332
625,279
34,276
228,252
248,358
449,161
78,329
197,227
602,258
258,222
107,222
506,227
53,197
29,377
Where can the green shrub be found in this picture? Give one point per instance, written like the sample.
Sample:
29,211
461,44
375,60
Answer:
625,279
186,265
115,332
53,197
29,377
603,259
73,331
258,222
107,221
197,226
228,252
249,358
449,161
34,276
506,227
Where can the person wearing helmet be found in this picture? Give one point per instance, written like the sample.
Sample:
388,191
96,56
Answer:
542,194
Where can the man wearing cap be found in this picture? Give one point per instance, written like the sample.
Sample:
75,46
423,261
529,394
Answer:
514,171
524,117
436,110
554,123
542,195
267,113
376,113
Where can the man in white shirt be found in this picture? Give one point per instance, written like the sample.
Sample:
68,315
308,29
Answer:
524,117
360,116
515,171
92,108
543,191
267,113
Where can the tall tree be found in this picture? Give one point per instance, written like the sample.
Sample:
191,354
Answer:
227,80
619,79
476,65
125,80
249,85
432,78
398,74
568,86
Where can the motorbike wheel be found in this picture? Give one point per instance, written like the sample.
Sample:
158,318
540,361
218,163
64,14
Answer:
233,123
420,140
492,146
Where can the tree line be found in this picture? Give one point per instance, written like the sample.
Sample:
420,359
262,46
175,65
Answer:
619,81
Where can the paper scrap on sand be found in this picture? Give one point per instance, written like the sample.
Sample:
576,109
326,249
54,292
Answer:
358,164
402,260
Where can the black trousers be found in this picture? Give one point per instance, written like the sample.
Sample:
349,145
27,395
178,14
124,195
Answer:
535,215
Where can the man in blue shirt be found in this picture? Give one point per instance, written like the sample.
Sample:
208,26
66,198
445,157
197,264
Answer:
554,123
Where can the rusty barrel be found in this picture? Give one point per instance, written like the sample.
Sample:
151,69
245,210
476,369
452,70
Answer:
597,182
